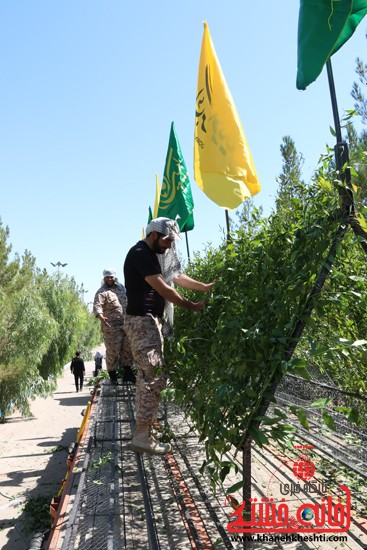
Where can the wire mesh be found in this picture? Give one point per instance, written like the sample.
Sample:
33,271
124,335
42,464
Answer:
348,442
111,511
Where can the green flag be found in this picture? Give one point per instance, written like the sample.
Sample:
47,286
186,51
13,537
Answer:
150,215
176,200
323,27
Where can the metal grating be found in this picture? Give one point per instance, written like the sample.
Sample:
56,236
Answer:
127,501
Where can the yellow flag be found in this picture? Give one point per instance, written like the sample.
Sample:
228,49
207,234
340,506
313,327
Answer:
157,196
223,165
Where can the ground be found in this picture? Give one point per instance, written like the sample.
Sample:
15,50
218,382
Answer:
33,455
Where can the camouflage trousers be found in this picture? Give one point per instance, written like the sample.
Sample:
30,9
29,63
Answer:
146,340
118,351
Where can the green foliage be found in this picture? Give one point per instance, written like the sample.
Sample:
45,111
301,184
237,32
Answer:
76,328
95,380
43,321
37,511
224,360
104,460
357,94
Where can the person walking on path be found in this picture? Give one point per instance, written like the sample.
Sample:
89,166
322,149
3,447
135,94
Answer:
98,361
146,294
77,367
110,308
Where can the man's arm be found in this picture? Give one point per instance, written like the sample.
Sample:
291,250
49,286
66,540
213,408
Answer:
184,281
168,293
99,302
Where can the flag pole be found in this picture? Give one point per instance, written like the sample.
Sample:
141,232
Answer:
340,150
342,164
334,102
229,236
187,246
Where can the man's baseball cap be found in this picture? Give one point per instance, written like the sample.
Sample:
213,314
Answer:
165,226
109,272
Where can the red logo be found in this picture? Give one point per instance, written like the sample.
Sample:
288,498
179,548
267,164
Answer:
320,513
304,468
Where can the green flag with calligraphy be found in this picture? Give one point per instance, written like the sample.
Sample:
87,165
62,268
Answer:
176,200
323,27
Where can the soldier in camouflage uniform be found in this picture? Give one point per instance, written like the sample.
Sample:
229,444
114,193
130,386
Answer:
146,294
110,307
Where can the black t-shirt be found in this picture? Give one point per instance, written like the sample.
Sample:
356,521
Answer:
142,299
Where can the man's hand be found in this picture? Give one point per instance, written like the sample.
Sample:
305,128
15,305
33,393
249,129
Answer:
198,306
168,293
209,286
104,320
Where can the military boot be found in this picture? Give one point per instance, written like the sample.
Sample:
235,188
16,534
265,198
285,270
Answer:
142,442
113,377
128,375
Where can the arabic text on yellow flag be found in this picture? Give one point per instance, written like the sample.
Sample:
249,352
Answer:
223,165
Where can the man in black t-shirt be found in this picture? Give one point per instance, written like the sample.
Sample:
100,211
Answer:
146,294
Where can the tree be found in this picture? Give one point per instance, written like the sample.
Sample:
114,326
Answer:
290,183
357,94
43,320
225,361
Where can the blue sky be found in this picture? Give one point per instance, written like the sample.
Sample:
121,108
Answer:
88,93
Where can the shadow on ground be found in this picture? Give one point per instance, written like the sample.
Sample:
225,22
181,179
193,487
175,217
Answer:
48,485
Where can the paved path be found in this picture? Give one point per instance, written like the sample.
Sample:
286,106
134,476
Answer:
29,466
33,454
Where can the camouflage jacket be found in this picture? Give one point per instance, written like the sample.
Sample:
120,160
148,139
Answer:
111,302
